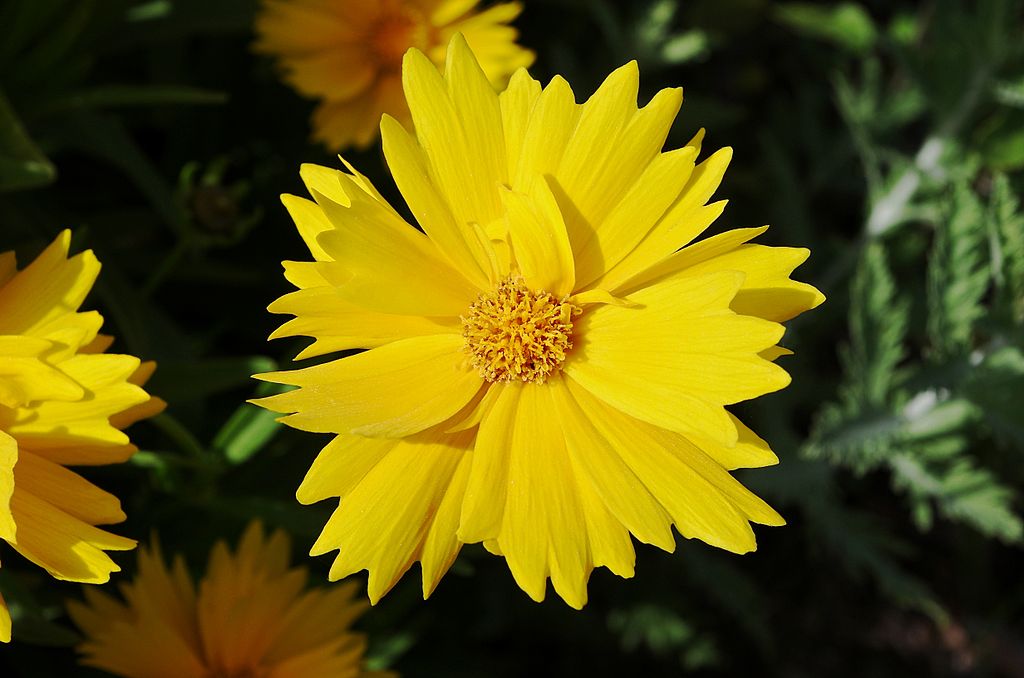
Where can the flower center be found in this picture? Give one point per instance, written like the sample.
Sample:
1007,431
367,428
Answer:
514,333
394,34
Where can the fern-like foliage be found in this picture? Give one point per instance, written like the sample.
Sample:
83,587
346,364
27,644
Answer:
930,418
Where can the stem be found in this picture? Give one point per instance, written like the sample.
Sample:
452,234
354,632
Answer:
166,267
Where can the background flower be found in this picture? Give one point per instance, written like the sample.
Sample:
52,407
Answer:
249,616
348,53
550,365
63,402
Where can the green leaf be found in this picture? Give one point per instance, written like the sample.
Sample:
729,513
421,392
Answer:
249,429
958,273
996,386
846,24
962,492
22,165
1006,228
1010,92
685,47
878,327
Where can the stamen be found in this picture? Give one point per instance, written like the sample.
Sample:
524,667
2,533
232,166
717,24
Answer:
514,333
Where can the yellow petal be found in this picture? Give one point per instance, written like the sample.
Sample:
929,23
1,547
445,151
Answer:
683,221
26,375
58,424
705,502
310,221
678,357
462,245
767,291
337,324
61,544
600,468
750,451
517,102
484,504
470,191
696,253
391,391
539,241
381,524
630,220
476,104
551,124
317,74
396,268
340,466
51,286
8,460
66,490
5,622
442,545
543,530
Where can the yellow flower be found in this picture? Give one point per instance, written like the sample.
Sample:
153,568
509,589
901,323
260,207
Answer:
348,53
250,616
551,357
63,401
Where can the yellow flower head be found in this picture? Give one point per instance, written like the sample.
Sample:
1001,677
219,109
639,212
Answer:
251,617
348,53
552,356
63,401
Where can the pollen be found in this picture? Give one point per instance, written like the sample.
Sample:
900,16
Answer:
514,333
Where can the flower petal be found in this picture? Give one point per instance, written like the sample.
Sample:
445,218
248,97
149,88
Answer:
8,460
382,523
66,490
705,502
61,544
391,391
543,530
539,240
53,285
679,357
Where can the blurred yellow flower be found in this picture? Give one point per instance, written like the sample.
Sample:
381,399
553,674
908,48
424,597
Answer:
348,53
63,401
250,617
551,357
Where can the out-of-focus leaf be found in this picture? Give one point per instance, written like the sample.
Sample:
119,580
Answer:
1010,92
846,24
249,429
115,96
878,328
22,165
996,386
958,273
685,47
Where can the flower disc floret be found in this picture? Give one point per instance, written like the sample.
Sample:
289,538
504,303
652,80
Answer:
514,333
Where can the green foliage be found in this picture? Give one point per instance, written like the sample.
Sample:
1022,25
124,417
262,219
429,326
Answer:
846,24
958,273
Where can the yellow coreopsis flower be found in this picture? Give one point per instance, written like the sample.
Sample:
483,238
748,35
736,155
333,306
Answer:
63,402
348,53
250,616
552,356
